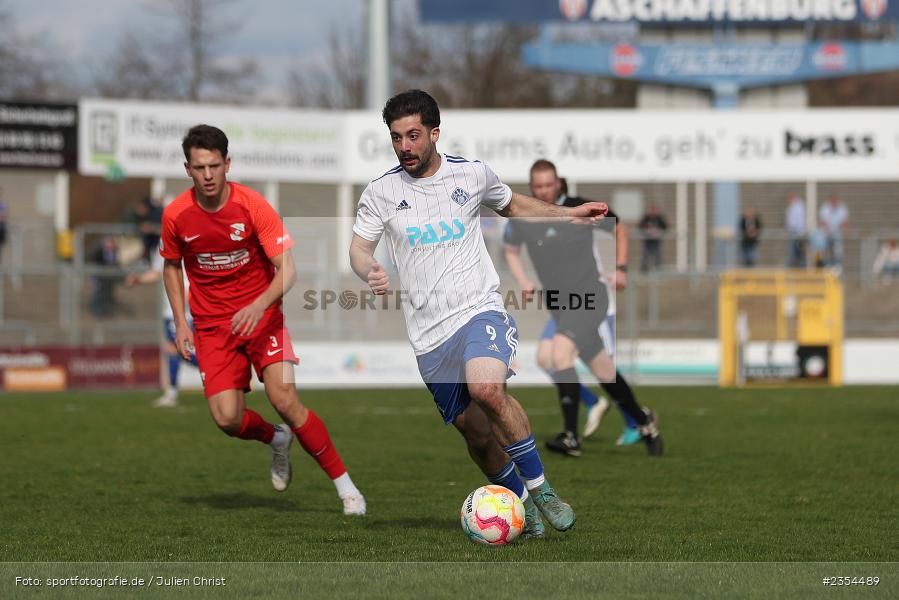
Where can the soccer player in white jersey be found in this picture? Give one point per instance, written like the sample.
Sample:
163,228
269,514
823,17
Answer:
429,208
169,398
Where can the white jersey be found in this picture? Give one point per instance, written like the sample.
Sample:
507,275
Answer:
433,228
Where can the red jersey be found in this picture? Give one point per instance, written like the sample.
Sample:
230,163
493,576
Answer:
226,253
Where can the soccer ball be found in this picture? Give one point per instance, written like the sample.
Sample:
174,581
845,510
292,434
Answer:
492,515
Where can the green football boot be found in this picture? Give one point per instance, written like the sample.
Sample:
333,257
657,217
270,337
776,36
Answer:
630,435
558,513
533,524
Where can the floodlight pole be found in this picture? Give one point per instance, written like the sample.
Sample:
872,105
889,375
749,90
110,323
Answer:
377,86
377,90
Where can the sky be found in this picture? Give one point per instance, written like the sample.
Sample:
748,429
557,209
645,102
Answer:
277,33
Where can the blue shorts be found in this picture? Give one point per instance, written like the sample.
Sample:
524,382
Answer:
606,332
488,334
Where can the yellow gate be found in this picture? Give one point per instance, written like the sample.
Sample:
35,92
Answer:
780,325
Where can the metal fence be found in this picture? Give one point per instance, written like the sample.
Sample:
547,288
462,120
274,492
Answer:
57,303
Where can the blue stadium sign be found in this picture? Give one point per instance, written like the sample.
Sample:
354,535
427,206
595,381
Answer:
708,65
660,12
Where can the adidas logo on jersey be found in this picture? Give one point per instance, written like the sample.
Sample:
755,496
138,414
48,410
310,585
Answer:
403,205
493,347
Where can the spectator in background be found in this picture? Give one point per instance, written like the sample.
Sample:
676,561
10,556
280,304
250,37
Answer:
3,217
796,227
817,243
750,228
653,226
155,214
147,217
834,221
103,298
886,265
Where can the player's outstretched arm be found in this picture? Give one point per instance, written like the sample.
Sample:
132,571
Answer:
622,246
150,276
525,206
516,267
364,265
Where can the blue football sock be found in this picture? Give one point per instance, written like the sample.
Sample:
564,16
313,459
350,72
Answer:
524,454
174,367
509,479
588,398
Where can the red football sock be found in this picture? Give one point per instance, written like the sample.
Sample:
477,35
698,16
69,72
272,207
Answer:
314,438
254,427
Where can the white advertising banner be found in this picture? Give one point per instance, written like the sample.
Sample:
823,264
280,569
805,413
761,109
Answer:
144,139
617,145
119,138
338,365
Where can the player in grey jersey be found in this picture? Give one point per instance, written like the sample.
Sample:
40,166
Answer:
429,208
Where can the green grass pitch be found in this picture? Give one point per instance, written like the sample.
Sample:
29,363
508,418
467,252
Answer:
750,476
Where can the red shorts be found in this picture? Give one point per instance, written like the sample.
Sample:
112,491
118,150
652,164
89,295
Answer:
225,358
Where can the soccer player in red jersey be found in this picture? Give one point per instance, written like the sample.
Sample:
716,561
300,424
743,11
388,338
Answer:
237,257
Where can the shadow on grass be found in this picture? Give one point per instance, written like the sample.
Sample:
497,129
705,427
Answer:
403,524
243,501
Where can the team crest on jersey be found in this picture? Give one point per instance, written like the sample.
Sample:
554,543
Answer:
237,231
460,196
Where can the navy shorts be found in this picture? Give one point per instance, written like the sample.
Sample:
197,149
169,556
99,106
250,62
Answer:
488,334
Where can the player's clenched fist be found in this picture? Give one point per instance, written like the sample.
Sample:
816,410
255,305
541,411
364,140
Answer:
377,279
589,212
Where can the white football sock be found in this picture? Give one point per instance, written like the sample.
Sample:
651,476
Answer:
280,438
345,486
533,483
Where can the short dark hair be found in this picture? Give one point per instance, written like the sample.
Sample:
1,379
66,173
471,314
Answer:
543,165
412,102
206,137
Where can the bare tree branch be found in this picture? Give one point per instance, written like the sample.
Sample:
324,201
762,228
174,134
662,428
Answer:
29,69
338,84
182,61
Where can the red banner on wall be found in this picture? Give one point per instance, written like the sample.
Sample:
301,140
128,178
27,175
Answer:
80,367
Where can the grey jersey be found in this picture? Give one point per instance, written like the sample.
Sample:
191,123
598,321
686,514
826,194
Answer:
433,229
